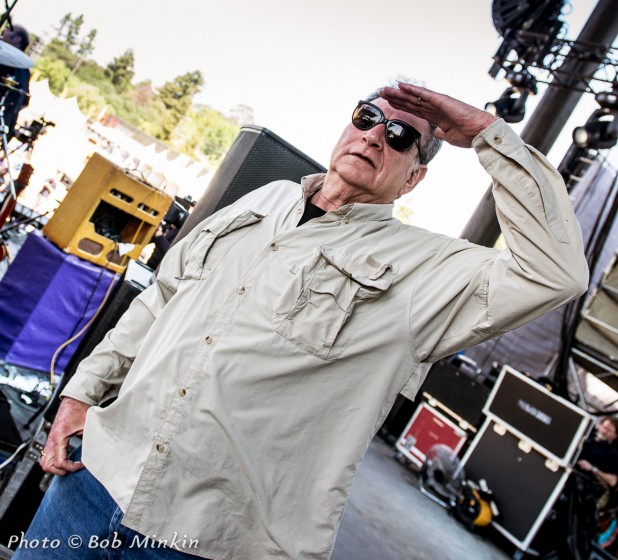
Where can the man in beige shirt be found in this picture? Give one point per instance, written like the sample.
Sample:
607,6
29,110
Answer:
251,377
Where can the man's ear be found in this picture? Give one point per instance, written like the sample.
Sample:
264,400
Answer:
416,176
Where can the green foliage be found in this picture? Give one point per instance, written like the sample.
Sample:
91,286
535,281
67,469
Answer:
86,47
218,133
177,97
58,51
166,114
64,22
205,132
55,71
90,72
89,99
73,28
121,70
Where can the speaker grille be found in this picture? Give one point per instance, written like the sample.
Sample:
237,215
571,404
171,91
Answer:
270,159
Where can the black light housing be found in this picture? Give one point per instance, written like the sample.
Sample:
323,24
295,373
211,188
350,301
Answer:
511,105
522,80
608,99
599,133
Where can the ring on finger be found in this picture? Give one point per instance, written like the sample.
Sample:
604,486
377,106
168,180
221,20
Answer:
419,101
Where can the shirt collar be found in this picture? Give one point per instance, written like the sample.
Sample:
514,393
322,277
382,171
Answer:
353,212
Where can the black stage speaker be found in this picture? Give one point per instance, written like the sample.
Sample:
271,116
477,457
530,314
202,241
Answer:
256,158
446,388
459,394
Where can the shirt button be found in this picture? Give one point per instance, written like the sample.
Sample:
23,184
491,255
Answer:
274,246
209,340
497,140
182,392
160,447
241,290
299,211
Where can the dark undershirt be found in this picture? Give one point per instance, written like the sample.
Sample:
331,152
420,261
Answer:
311,211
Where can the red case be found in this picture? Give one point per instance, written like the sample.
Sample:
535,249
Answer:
427,428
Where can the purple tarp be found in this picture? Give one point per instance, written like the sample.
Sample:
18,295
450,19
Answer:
46,297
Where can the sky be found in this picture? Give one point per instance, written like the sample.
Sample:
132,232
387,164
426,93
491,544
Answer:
302,66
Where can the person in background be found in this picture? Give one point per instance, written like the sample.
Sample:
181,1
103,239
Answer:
599,455
17,96
599,458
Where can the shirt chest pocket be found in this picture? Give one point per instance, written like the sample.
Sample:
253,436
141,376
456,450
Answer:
321,307
205,254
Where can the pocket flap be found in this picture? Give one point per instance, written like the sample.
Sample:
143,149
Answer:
226,224
369,273
220,227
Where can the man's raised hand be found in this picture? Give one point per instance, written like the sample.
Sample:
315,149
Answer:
457,122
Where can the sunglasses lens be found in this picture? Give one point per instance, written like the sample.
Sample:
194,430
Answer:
366,117
400,136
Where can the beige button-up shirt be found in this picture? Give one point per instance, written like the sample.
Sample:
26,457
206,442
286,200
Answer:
253,374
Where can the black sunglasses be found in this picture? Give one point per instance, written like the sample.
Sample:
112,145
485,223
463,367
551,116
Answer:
400,135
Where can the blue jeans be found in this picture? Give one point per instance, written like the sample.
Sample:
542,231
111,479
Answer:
79,520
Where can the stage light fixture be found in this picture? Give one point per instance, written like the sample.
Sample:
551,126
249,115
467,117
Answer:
522,80
530,28
511,105
608,99
599,133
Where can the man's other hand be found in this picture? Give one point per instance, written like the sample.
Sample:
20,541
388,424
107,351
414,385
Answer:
69,421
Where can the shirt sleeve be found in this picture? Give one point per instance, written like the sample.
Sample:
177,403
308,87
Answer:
100,375
472,293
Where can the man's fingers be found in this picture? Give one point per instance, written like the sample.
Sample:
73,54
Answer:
52,469
48,464
70,466
407,106
55,464
57,450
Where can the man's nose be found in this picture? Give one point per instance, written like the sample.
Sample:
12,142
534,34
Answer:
375,136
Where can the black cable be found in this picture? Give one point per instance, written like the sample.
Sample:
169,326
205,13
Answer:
40,410
84,310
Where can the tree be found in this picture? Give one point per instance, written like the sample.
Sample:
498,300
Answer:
218,134
142,93
89,99
205,132
55,71
57,50
177,97
64,22
86,47
91,73
120,71
73,28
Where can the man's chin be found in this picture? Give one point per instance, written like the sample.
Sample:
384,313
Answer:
356,177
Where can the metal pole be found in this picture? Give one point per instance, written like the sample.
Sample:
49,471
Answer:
551,114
